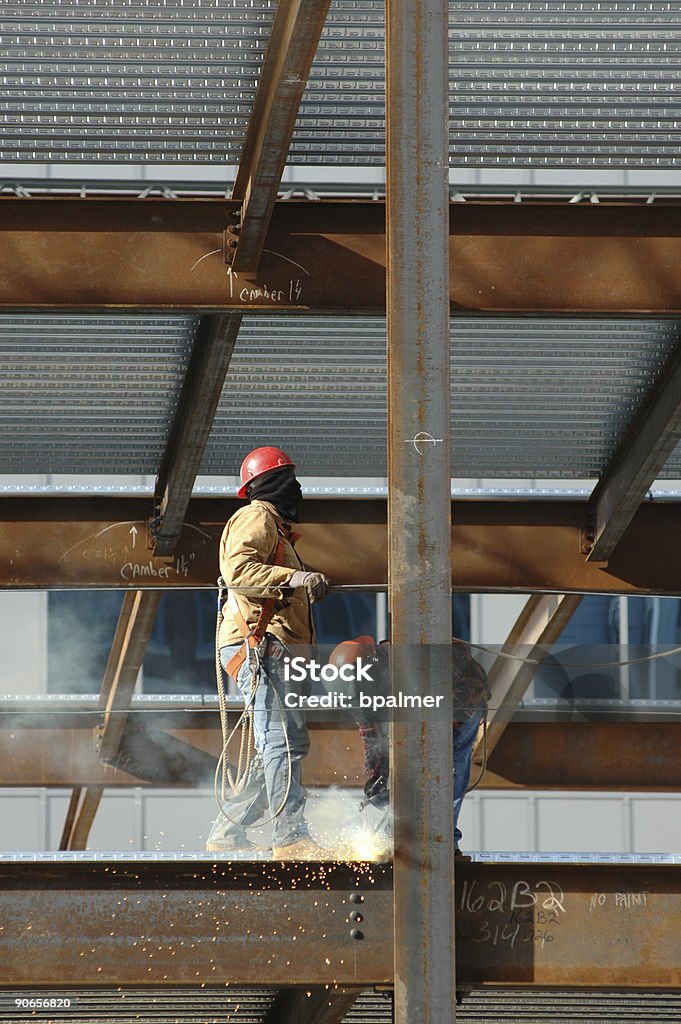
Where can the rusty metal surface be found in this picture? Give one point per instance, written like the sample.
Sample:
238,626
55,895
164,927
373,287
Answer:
533,925
133,629
544,256
640,456
192,923
57,748
581,926
540,624
419,506
631,756
628,756
135,623
292,45
191,426
497,545
80,815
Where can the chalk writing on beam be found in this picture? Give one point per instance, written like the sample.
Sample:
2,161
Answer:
512,933
496,897
118,545
623,900
524,913
292,293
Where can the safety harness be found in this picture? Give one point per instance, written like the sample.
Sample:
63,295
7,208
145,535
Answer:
252,637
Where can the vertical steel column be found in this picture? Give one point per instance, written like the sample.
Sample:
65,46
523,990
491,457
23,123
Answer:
419,504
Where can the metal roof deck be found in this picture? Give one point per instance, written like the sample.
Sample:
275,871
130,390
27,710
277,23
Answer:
239,1005
559,83
532,397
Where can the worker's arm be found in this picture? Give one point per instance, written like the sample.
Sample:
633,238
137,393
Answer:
247,550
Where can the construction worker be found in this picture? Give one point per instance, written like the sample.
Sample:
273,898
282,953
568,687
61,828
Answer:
270,592
470,693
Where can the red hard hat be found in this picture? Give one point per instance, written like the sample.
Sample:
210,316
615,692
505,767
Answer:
259,461
347,652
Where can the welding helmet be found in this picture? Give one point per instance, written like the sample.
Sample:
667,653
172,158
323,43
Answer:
259,462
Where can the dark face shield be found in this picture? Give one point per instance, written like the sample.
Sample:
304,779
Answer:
282,490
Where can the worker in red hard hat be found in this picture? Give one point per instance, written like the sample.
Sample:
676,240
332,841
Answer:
470,692
268,607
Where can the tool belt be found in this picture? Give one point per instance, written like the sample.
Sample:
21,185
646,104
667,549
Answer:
254,637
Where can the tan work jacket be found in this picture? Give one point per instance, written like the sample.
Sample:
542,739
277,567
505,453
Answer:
247,549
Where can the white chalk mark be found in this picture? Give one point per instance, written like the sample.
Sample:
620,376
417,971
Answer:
282,257
93,536
423,438
132,523
133,534
201,258
231,275
190,526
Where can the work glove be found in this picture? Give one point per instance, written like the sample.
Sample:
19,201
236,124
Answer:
316,584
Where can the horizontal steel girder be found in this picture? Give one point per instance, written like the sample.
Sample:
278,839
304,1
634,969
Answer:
68,253
57,749
498,545
163,923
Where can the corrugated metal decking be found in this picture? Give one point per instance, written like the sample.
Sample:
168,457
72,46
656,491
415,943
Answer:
556,83
531,397
89,394
145,80
237,1005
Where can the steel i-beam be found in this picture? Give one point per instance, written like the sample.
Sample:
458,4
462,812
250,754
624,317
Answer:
419,506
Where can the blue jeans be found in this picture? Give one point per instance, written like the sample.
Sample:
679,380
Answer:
464,740
273,722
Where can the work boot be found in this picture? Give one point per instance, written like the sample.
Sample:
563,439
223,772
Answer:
233,844
226,837
303,849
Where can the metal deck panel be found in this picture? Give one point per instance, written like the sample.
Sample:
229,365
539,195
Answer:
91,395
239,1005
538,398
535,398
559,83
148,80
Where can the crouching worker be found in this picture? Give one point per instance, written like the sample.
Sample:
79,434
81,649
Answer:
470,693
269,593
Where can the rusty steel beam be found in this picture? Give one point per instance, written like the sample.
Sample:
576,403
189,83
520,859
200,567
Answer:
314,1004
70,819
627,756
293,43
135,624
530,925
57,748
170,923
133,629
642,453
188,436
80,816
544,256
519,545
526,545
419,504
539,625
569,925
622,756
